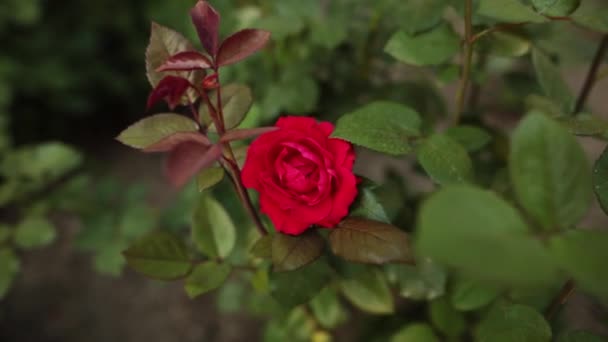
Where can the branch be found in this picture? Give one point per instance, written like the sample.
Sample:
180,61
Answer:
591,74
559,300
467,59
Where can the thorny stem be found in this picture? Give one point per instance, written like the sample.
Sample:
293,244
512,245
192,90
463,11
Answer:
467,59
592,74
559,300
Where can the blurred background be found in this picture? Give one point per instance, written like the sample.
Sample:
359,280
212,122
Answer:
72,76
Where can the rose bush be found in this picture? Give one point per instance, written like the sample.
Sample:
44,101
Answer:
304,176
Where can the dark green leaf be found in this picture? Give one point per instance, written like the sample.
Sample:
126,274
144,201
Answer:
327,309
471,137
209,177
446,319
372,242
368,290
9,266
5,233
150,130
556,8
580,336
206,277
34,232
292,252
416,16
583,254
297,287
263,247
429,48
415,332
550,172
381,126
159,255
445,160
512,11
368,206
477,232
236,102
551,81
424,281
468,294
513,322
212,228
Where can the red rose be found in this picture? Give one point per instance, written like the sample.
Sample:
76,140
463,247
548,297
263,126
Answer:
304,177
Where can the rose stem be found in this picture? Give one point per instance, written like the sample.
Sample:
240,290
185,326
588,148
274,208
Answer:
560,299
591,75
467,59
231,163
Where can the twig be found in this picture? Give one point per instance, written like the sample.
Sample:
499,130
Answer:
498,27
468,57
559,300
591,74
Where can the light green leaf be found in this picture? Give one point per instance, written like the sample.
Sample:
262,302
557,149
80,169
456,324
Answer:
34,232
368,290
550,172
212,228
445,160
511,11
556,8
368,206
429,48
152,129
206,277
9,266
292,252
159,255
580,336
327,309
109,260
584,124
513,322
468,294
583,254
505,44
481,235
382,126
446,319
297,287
592,15
372,242
236,102
471,137
209,177
415,332
416,16
551,81
424,281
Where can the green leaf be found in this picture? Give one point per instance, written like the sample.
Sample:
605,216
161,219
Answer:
551,81
292,252
468,294
471,137
424,281
159,255
592,15
550,172
445,160
148,131
513,322
368,290
5,233
212,228
415,332
209,177
109,260
206,277
381,126
164,43
420,15
505,44
583,254
298,287
34,232
327,309
236,103
372,242
260,281
368,206
478,233
585,124
556,8
446,319
9,266
580,336
511,11
600,179
429,48
263,247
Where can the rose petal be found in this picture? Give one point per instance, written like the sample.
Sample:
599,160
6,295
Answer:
342,199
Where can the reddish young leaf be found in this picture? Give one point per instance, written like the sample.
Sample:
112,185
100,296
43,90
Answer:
185,61
170,88
240,134
188,158
207,21
210,82
241,45
170,142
